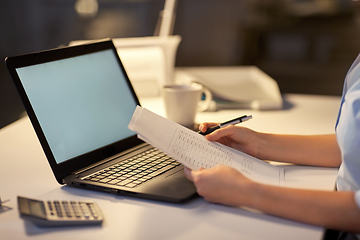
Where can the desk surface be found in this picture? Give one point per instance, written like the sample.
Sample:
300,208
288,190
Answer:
25,171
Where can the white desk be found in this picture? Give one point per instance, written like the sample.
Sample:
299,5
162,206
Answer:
25,171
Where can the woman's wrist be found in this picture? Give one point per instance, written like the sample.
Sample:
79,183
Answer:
261,148
248,192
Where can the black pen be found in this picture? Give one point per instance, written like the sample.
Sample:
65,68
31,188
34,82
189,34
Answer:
224,124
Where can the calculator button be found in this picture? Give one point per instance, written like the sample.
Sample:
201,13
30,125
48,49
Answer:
51,209
67,208
75,209
85,210
49,205
93,210
58,209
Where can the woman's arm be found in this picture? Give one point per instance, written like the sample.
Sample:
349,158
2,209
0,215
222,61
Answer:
317,150
224,185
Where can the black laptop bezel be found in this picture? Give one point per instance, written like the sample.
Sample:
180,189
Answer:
64,169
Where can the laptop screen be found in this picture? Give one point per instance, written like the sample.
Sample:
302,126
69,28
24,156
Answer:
82,103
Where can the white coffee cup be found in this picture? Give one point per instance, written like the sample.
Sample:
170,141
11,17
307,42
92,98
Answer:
182,101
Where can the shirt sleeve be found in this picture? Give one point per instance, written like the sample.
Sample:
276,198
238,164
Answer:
357,198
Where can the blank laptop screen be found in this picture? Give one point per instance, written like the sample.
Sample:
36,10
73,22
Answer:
82,103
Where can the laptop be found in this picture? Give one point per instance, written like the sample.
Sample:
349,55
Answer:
80,101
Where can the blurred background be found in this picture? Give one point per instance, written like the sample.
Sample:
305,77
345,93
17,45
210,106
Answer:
307,46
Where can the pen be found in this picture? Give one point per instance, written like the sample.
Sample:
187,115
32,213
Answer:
224,124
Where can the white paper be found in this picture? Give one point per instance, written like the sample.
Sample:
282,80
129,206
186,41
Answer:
195,152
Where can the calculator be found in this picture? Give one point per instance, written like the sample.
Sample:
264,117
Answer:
59,213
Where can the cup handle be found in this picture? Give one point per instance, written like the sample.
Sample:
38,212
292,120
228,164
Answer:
203,105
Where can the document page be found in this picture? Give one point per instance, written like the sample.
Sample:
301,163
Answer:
195,152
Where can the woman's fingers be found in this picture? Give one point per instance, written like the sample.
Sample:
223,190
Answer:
204,126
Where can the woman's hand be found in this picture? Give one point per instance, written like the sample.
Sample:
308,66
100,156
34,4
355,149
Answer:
240,138
220,184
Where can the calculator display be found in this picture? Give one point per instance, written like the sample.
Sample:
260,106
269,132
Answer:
37,208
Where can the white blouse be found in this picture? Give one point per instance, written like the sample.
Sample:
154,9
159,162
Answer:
348,133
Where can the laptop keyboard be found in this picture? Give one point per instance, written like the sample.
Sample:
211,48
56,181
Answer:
136,170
